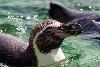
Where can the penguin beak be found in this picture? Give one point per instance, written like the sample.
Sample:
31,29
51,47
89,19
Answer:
72,29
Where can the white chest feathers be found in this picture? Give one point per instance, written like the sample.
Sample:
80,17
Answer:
49,58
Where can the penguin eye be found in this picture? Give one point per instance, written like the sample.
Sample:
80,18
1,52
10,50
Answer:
61,28
48,31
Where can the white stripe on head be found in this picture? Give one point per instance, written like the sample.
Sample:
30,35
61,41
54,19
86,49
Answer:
49,58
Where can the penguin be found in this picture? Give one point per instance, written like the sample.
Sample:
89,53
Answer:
43,47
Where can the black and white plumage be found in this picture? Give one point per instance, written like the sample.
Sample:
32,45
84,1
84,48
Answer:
43,48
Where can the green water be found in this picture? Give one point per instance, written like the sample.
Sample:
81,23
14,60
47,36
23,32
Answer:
18,16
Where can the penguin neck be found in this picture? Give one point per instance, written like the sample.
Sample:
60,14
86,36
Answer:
31,56
45,59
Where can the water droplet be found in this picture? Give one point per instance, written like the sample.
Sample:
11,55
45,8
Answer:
8,13
28,18
78,4
81,10
35,17
90,7
1,31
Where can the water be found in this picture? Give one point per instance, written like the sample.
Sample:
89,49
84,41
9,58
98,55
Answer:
19,16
